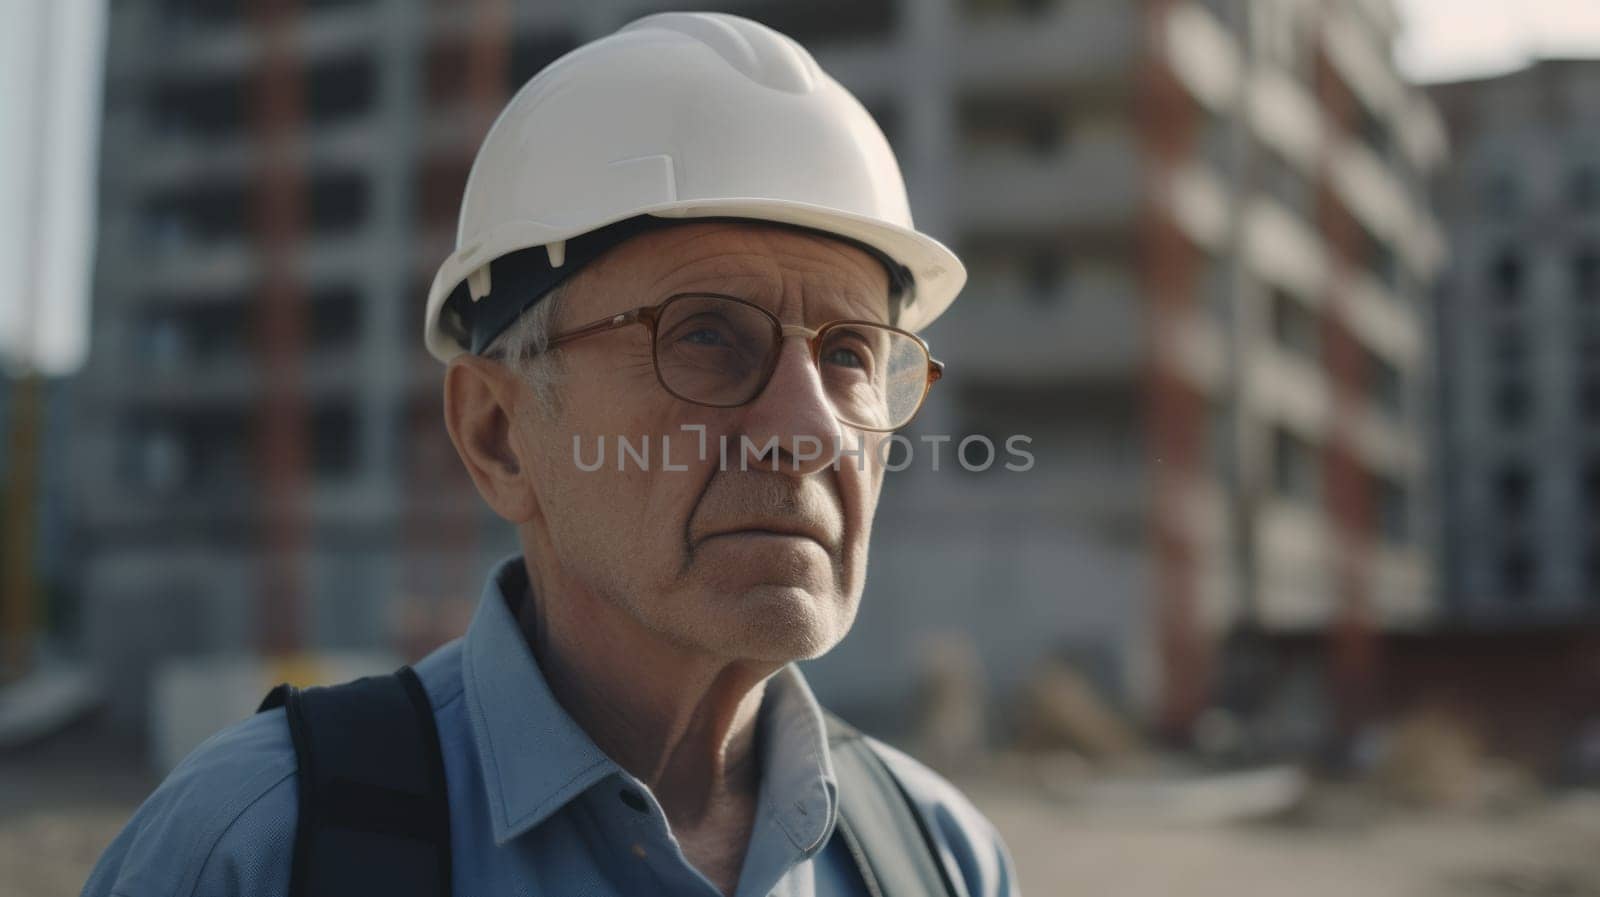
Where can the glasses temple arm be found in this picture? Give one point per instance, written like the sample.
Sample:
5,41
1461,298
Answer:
601,326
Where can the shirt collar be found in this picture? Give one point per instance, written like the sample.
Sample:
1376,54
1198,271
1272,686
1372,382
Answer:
535,758
797,781
533,754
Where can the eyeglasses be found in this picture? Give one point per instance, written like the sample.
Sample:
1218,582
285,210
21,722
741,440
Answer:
720,351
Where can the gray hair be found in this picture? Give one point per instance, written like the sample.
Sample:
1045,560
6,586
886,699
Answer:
523,346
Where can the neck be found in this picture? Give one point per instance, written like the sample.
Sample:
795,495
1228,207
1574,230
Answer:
682,722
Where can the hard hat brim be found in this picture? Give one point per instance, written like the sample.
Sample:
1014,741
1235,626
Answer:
937,274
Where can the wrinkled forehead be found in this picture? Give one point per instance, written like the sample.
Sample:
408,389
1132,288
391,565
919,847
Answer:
805,272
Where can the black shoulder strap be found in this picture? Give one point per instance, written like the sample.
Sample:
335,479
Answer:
374,814
885,833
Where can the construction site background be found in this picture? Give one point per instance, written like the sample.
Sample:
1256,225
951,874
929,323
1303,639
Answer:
1303,589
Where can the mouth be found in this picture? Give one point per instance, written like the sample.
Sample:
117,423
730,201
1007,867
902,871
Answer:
773,532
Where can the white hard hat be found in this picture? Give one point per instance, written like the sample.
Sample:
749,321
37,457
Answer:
676,115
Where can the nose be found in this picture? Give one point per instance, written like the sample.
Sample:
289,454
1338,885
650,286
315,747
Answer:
793,410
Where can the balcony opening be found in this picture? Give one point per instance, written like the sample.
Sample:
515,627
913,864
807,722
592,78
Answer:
1505,276
1296,471
1589,487
202,213
172,452
174,337
1518,572
341,89
335,319
1018,126
1513,405
182,14
208,110
1584,188
338,202
1385,386
1513,491
1034,270
1281,180
1394,510
1295,327
334,448
1586,276
1588,399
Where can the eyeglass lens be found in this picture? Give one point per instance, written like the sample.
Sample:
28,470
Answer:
717,351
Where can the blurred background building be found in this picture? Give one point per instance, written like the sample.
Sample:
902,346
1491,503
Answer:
1518,337
1200,250
1519,341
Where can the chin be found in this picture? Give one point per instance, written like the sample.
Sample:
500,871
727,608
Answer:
770,600
792,624
777,622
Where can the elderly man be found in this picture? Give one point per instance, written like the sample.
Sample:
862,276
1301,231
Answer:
688,245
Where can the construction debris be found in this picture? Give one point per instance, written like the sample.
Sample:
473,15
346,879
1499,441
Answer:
949,713
1059,708
1432,759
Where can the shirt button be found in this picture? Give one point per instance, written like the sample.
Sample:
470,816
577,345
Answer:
638,851
633,800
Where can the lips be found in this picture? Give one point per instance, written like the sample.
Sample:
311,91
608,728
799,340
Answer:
815,534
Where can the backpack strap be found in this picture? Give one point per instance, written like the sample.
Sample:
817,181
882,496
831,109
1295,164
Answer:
375,818
374,814
883,830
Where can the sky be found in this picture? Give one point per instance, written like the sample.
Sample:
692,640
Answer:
47,186
1451,39
49,131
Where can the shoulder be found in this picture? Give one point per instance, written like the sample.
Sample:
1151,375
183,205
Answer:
221,823
973,847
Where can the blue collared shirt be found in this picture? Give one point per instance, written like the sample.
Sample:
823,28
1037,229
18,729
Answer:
535,807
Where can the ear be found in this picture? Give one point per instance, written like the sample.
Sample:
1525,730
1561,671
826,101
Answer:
481,401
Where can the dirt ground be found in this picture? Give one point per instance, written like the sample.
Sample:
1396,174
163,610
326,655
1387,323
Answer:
1551,848
62,803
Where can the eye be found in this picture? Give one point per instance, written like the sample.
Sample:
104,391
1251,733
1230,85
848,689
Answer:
705,331
705,336
844,357
847,348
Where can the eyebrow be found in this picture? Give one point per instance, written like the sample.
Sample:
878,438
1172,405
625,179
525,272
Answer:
873,308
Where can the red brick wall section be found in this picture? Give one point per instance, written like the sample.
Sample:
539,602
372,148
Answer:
1525,693
281,432
1168,120
1353,642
